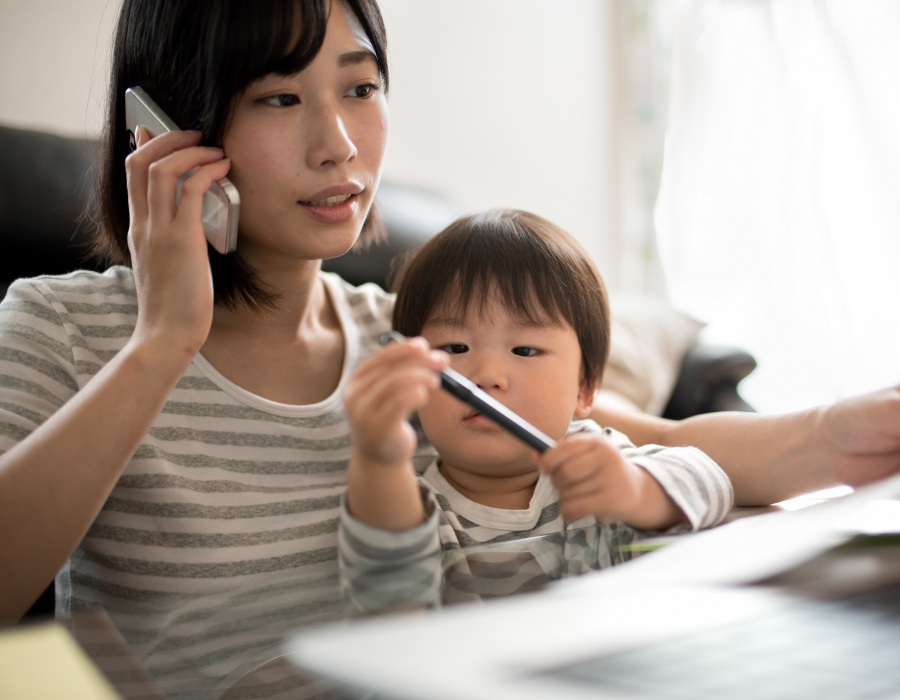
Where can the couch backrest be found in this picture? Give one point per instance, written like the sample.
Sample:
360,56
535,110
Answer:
46,183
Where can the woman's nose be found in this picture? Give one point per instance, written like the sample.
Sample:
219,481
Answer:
329,141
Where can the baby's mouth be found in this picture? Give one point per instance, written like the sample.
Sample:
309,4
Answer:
329,201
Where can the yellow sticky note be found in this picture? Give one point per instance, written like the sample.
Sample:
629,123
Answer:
43,661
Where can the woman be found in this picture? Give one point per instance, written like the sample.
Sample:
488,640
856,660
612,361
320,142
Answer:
173,427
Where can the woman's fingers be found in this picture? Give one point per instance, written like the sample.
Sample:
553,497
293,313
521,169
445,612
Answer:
190,208
137,164
162,181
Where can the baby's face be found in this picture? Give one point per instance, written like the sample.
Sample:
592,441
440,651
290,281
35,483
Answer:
533,369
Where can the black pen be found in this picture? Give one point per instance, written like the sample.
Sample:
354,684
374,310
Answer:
467,392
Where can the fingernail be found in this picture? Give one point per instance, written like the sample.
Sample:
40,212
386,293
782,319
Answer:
139,136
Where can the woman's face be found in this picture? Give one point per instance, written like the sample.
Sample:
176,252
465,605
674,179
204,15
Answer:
306,151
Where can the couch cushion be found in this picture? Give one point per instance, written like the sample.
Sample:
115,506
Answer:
649,340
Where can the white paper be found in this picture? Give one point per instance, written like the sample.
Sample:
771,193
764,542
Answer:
754,548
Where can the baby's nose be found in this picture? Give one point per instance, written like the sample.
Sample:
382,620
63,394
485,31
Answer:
489,374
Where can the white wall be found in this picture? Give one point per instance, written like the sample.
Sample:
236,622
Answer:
499,103
54,63
507,103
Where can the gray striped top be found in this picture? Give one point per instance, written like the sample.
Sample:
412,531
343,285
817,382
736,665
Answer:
230,499
469,551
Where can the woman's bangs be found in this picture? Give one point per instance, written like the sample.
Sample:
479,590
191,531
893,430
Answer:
281,37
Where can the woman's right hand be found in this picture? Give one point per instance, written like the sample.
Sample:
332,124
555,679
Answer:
167,244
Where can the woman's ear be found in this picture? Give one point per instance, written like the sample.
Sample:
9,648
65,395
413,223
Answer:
585,400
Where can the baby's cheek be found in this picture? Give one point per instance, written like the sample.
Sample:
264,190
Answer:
431,413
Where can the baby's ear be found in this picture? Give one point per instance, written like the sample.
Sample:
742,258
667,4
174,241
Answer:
585,399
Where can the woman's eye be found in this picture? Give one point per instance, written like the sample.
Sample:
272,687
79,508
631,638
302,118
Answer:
455,348
525,351
363,91
286,100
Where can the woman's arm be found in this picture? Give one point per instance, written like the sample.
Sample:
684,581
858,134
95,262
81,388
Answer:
771,458
54,482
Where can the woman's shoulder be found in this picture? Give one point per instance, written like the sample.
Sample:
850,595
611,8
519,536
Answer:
364,293
620,440
368,306
77,299
80,287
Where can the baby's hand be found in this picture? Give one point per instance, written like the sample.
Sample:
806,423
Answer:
594,479
381,394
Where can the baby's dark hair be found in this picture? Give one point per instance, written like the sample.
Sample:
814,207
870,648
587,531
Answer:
533,266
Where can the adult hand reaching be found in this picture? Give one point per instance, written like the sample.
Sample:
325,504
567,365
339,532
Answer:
771,458
860,437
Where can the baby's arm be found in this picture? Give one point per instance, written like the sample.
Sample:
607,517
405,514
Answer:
650,488
381,394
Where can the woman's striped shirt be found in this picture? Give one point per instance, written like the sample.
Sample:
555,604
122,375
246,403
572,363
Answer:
227,513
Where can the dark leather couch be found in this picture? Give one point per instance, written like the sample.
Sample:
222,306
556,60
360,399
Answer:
46,184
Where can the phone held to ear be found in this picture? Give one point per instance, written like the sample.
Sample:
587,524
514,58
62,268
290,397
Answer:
221,202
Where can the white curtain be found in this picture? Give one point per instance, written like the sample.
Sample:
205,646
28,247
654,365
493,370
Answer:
778,216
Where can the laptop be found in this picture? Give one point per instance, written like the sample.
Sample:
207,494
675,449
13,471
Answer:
691,622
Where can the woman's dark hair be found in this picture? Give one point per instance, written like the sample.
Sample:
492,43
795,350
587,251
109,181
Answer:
195,58
534,267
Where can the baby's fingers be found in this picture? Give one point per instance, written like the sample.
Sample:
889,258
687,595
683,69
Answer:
564,453
577,470
415,351
398,394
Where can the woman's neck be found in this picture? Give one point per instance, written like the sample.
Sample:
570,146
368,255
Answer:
301,301
507,492
292,354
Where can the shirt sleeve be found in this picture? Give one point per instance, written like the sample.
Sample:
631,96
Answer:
696,484
38,372
382,568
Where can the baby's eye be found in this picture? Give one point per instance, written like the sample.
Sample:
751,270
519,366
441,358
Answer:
526,351
363,91
285,100
455,348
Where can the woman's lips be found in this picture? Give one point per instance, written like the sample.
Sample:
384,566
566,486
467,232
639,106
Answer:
328,212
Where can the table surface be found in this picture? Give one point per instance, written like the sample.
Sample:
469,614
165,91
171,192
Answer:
228,644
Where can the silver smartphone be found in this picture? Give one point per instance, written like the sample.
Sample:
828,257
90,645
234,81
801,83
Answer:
221,202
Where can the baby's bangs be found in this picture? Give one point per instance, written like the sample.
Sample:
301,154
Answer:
474,289
497,256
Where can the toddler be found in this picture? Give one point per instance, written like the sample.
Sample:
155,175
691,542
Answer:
514,304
